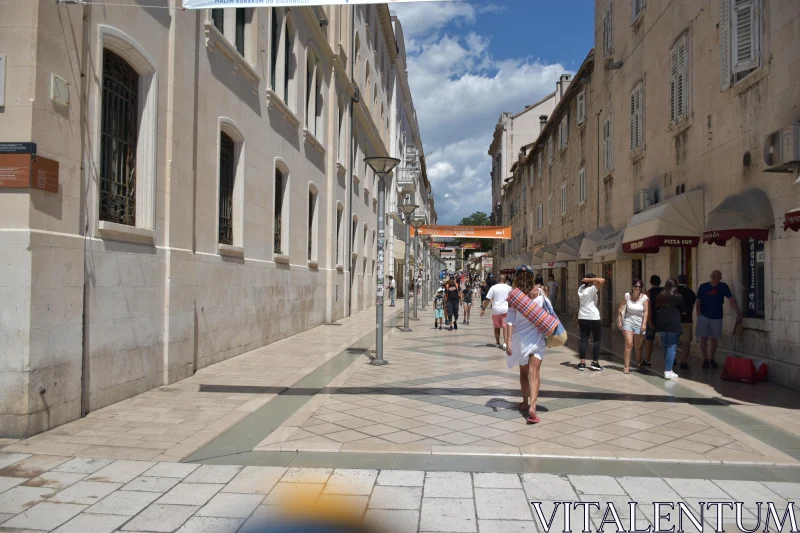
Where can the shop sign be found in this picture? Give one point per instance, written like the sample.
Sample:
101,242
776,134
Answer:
652,244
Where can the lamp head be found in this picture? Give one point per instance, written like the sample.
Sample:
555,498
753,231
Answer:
407,209
381,165
417,222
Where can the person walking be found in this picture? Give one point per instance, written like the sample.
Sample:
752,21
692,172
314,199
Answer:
438,309
526,344
392,290
497,296
453,297
589,320
650,336
689,299
552,289
669,306
710,297
466,298
632,321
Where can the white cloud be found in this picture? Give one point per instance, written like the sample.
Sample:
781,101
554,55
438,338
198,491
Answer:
459,92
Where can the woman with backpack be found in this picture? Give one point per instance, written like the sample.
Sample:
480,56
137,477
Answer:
669,307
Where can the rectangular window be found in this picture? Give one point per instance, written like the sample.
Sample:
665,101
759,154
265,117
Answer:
608,50
637,119
539,164
312,206
539,216
581,272
226,176
218,19
563,132
278,220
581,105
550,150
274,48
339,214
636,270
563,199
740,39
582,195
636,9
239,36
753,278
550,209
678,82
607,162
354,230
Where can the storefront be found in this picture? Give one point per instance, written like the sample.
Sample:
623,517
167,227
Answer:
569,253
588,247
611,262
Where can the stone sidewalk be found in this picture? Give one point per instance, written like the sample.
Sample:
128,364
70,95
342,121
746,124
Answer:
170,422
41,493
449,393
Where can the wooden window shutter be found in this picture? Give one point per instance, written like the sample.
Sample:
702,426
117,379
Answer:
745,36
581,107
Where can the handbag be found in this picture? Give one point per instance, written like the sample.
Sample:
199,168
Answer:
559,336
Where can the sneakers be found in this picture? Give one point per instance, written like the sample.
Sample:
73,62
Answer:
646,363
440,328
684,366
581,367
706,363
714,364
595,366
669,374
449,328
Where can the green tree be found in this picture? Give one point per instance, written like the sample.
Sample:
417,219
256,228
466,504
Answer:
478,218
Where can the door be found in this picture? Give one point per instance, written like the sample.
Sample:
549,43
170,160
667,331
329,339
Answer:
562,290
608,295
685,264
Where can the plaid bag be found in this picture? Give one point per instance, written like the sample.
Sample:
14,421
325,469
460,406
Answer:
544,321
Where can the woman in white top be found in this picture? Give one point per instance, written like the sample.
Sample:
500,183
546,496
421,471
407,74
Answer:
526,344
632,321
589,321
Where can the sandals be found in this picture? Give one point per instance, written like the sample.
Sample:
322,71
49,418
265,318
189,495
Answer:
523,406
533,419
626,371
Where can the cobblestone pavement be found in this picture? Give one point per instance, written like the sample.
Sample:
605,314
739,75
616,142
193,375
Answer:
94,495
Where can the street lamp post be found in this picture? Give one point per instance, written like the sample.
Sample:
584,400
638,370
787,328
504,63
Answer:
381,166
407,210
425,269
416,223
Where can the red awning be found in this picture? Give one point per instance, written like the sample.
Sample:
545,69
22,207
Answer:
792,220
747,215
508,271
676,222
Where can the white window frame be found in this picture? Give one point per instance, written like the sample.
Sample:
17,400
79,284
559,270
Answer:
581,107
679,79
582,193
564,199
637,117
283,167
229,128
314,230
607,136
110,38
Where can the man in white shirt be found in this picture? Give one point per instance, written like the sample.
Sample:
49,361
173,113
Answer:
552,291
498,297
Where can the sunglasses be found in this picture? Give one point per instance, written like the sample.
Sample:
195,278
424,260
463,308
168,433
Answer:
637,287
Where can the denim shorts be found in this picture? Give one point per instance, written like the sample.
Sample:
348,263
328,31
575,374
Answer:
634,329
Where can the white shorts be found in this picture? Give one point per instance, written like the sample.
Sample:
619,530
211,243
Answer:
709,327
522,360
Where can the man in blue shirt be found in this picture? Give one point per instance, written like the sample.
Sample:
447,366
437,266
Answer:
710,299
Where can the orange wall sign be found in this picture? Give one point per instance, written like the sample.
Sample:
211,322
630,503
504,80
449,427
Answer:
24,171
472,232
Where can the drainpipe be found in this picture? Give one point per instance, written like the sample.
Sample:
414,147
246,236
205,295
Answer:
86,172
353,101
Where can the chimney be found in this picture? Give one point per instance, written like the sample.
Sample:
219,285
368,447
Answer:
562,85
542,122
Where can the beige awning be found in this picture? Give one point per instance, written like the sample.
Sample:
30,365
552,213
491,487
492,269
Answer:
609,249
743,216
537,258
590,241
570,250
550,252
676,222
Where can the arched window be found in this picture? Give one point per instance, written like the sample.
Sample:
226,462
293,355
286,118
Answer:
281,211
357,56
119,133
283,65
275,33
340,130
354,230
230,216
314,112
313,230
288,55
339,260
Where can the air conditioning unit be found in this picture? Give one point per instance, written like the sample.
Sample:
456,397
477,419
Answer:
782,149
643,199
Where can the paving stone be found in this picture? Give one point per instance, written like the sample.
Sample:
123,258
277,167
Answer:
748,491
648,489
55,480
448,485
231,505
448,514
255,480
190,493
263,516
33,466
351,481
85,492
161,518
497,481
696,488
307,475
83,465
391,521
10,482
284,493
499,504
596,485
93,523
784,489
213,474
124,502
45,516
198,524
18,499
4,517
548,487
506,526
353,506
8,459
177,470
395,497
152,484
121,471
402,478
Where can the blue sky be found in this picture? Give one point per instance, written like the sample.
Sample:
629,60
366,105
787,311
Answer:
470,61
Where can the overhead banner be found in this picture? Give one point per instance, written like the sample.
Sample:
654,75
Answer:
472,232
205,4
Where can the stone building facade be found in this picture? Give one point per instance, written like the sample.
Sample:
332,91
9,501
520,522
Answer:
683,103
212,197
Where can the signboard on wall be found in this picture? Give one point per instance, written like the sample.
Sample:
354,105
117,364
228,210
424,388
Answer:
26,171
204,4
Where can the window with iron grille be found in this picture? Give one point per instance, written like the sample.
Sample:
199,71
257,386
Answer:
227,169
118,140
273,67
280,182
339,215
312,207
